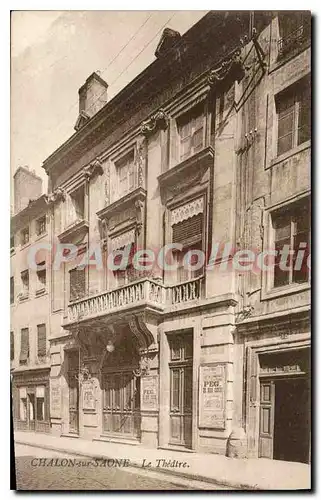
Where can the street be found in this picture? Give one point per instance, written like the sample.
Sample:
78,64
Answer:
31,476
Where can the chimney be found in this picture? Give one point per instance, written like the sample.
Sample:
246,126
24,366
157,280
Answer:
92,97
27,186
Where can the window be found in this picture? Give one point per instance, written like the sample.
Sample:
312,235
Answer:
187,230
125,276
41,225
292,228
294,116
24,346
191,132
25,281
75,206
294,29
125,174
40,403
11,290
11,346
41,276
41,340
78,203
23,404
77,283
25,236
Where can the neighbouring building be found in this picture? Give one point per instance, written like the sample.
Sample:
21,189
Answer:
29,345
209,145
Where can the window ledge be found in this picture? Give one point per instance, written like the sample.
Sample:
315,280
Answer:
23,297
40,236
26,245
285,290
40,291
12,251
291,152
78,227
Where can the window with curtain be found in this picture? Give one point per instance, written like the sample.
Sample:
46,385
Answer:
77,284
191,130
24,346
292,228
41,340
294,30
125,174
294,116
188,231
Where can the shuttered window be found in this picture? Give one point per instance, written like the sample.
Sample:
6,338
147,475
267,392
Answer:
11,346
191,132
11,290
41,330
188,231
294,116
77,283
24,349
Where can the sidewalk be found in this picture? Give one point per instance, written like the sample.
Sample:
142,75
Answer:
259,474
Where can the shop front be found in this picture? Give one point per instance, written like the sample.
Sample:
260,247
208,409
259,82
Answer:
278,391
30,391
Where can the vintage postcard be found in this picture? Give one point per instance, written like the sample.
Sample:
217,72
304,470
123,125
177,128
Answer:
160,250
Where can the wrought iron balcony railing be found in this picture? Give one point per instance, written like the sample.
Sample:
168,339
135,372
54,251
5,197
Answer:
293,41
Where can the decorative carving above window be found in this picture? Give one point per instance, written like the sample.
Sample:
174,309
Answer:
157,120
232,65
123,240
57,195
95,168
187,211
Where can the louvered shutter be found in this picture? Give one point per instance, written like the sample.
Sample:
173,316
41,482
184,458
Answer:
41,340
24,350
77,283
11,346
189,231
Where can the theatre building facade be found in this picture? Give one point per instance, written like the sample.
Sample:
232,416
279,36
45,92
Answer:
192,154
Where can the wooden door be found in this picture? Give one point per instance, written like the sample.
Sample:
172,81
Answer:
267,408
73,403
181,389
31,413
73,382
121,412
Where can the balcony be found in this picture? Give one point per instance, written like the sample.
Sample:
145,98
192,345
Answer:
143,294
294,41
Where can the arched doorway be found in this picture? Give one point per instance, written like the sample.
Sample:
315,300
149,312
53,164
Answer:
121,389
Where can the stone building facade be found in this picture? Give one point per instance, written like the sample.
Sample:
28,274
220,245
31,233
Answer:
29,304
207,150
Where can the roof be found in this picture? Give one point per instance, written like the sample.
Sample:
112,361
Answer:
214,22
33,210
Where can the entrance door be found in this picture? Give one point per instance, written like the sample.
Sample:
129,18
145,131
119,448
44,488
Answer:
292,420
121,389
285,419
73,373
31,410
267,403
181,387
121,414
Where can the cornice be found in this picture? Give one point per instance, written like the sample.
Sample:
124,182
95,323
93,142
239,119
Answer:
279,322
132,198
78,228
172,65
158,120
196,165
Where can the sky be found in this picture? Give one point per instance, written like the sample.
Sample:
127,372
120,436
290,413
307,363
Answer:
52,54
